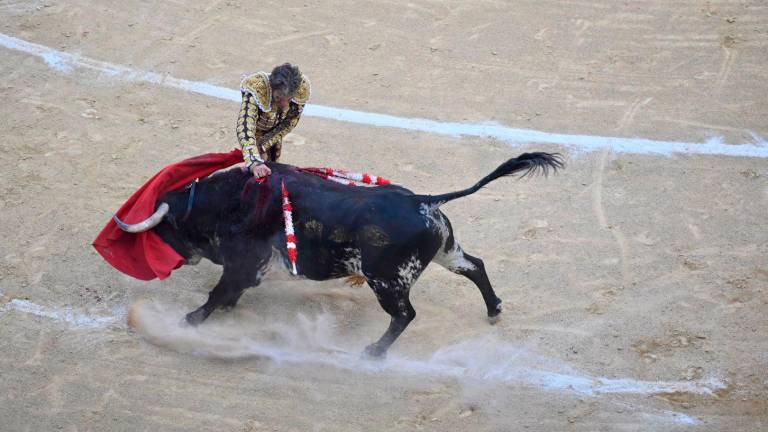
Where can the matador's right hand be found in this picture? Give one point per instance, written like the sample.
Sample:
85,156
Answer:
260,170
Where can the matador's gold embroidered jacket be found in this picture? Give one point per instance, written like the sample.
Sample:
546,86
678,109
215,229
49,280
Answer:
260,125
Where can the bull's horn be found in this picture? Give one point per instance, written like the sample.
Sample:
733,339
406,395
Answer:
147,224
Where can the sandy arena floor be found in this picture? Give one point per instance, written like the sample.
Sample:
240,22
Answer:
635,283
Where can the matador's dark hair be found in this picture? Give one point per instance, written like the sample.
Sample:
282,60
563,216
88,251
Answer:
285,79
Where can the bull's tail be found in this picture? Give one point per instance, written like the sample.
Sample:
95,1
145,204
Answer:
529,164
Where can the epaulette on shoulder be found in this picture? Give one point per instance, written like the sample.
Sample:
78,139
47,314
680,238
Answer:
302,94
257,85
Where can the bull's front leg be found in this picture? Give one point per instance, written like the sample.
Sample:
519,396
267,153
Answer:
234,281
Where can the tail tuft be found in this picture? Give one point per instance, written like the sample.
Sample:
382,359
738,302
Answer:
539,163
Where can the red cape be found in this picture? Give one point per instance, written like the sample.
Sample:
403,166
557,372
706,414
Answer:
144,255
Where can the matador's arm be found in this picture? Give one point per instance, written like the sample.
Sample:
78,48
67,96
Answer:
246,131
286,125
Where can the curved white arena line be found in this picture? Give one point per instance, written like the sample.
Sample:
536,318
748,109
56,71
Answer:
66,63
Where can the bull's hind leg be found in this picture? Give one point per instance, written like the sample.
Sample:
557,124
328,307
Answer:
234,281
460,262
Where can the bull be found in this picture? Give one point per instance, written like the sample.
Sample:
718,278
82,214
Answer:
385,236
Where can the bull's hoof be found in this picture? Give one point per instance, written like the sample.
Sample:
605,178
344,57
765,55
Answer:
494,315
194,318
374,352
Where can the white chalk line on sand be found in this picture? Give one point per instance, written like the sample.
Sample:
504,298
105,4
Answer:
67,315
66,63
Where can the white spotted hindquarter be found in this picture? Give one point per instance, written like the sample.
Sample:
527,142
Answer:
408,272
453,259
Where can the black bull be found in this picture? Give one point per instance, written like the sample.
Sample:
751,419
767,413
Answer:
384,235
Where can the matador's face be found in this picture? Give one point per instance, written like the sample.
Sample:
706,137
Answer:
282,101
